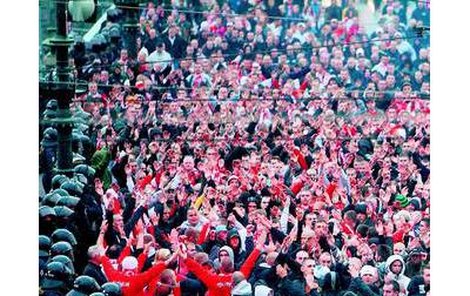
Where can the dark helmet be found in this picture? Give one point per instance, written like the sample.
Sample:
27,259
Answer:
58,180
50,133
81,178
50,199
68,201
52,104
61,191
86,170
62,248
72,188
63,211
65,260
57,276
84,139
45,211
49,114
44,245
65,235
78,159
85,284
111,289
49,138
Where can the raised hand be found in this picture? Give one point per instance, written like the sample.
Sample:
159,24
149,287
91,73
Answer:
281,271
261,239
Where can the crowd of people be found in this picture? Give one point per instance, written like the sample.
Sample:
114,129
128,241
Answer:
244,148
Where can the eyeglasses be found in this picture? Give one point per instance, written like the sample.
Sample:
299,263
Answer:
310,266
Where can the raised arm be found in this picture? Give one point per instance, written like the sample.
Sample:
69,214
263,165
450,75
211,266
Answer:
250,262
201,273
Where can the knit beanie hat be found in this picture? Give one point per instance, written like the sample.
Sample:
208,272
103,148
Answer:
220,228
129,263
368,269
403,200
233,233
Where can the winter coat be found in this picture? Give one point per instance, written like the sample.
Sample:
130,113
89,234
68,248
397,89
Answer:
358,286
417,287
294,286
100,161
94,271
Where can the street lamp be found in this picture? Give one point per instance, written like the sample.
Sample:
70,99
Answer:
63,90
62,80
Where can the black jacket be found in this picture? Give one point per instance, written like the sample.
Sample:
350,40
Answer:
94,271
294,287
358,286
177,49
417,287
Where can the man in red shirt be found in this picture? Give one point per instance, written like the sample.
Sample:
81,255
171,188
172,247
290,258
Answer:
221,284
132,283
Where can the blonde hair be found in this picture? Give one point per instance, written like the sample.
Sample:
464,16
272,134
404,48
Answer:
162,254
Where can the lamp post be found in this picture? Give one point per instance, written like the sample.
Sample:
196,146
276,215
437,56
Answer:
63,90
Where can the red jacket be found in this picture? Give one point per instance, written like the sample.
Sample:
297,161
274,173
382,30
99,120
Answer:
221,284
132,285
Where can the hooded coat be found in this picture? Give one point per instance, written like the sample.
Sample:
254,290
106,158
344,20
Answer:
239,254
230,254
400,278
